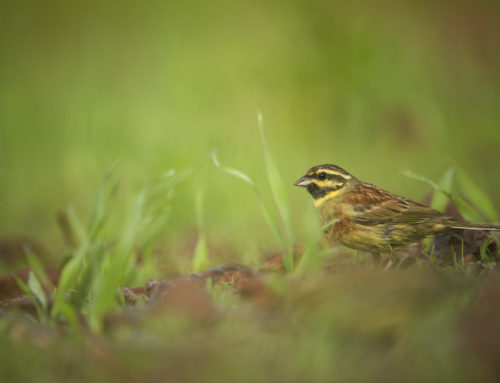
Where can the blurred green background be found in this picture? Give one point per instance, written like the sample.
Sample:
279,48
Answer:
375,87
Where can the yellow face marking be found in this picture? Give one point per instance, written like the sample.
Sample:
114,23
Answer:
325,183
329,171
334,173
319,201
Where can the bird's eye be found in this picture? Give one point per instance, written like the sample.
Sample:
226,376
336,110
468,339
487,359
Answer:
322,176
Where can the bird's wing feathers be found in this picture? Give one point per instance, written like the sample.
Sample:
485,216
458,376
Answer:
372,206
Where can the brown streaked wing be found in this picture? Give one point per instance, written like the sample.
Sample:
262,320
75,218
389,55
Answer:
372,205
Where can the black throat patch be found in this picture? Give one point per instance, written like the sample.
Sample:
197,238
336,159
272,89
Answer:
319,192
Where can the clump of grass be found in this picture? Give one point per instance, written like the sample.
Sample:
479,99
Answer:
106,259
33,287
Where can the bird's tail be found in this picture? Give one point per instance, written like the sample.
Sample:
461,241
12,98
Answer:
474,226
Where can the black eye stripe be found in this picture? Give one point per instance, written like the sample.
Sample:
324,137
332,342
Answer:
331,177
336,178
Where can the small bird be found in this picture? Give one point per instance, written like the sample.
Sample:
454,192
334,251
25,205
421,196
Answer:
365,217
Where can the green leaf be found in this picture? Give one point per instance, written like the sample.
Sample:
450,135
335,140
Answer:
37,289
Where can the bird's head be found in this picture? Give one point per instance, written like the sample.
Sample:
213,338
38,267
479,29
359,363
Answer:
325,181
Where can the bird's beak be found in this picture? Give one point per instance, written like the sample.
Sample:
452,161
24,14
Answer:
302,181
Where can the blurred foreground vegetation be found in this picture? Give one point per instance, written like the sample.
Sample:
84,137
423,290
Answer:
154,106
375,88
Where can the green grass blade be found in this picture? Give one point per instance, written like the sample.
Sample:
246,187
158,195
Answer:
279,194
468,211
102,205
268,216
76,225
435,186
80,270
440,200
35,286
67,280
311,253
114,268
478,198
37,266
200,257
29,293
